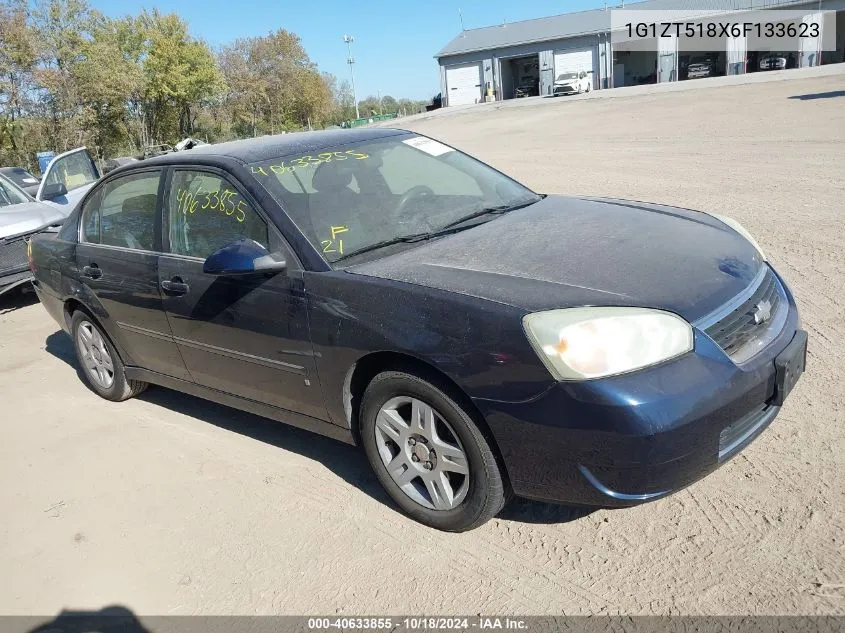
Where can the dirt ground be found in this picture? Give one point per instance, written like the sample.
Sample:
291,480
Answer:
167,504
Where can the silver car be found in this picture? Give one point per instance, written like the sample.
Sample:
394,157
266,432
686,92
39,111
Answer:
21,217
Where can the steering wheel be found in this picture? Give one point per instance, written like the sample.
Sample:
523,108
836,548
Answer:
413,194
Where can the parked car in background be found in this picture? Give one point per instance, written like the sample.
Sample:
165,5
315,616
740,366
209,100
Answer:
572,83
21,217
773,61
151,151
475,337
700,67
188,143
113,163
22,178
529,86
436,103
67,178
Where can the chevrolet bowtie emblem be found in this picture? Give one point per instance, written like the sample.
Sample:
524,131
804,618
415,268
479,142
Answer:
762,312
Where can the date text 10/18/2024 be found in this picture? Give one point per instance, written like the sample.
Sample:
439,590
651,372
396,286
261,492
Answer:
418,623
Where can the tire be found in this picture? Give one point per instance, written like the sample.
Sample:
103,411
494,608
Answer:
453,444
589,87
95,355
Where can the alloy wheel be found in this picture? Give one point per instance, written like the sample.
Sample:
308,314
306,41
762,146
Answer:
422,453
96,358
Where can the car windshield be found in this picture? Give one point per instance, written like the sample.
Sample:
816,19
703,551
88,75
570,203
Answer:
567,76
10,194
361,197
19,176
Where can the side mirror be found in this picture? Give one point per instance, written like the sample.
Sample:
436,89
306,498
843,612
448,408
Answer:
53,191
243,257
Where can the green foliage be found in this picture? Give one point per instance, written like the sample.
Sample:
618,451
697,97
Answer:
71,76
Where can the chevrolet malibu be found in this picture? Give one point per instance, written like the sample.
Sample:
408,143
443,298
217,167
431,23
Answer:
477,339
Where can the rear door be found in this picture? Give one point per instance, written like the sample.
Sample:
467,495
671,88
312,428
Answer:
117,258
243,335
76,171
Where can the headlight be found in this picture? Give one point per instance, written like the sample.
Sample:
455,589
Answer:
579,343
736,226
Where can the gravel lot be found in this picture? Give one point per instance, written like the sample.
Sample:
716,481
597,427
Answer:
171,505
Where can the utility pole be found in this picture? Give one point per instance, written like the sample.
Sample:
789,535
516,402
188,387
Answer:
351,60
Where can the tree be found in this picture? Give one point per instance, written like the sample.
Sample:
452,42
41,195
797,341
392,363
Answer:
70,76
273,84
17,63
109,77
343,101
389,105
408,106
369,106
180,74
61,29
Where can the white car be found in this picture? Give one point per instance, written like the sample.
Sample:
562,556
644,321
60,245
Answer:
67,178
773,62
573,83
21,217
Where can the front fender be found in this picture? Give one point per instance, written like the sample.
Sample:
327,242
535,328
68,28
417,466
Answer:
476,343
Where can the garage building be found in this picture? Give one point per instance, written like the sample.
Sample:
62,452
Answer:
523,58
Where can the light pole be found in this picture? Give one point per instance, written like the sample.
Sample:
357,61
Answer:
351,60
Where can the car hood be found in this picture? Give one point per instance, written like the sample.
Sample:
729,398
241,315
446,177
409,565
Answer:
27,217
566,252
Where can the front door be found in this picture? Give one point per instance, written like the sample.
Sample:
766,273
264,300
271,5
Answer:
243,335
118,263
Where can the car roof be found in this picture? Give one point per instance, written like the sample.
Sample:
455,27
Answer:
268,147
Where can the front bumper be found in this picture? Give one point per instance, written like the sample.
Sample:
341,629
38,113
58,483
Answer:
565,90
637,437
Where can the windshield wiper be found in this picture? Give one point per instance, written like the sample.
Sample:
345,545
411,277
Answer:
416,237
486,211
451,227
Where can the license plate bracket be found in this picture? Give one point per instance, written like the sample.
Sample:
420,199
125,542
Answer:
789,365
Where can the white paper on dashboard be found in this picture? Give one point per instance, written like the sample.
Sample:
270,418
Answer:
429,146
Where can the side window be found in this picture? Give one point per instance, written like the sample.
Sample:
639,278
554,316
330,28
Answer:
205,213
90,219
123,212
403,168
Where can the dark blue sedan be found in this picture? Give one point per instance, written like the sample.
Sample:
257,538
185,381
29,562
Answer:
477,339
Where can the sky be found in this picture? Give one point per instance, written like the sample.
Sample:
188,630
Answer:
395,42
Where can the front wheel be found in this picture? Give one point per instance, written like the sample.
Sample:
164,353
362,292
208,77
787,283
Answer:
428,453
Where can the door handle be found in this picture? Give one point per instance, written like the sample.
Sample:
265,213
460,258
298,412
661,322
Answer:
175,286
93,271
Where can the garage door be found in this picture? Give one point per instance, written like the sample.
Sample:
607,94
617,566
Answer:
574,61
463,84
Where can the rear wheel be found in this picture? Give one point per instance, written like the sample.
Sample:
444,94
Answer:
428,453
102,368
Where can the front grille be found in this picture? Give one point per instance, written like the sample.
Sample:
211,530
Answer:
12,255
734,331
739,434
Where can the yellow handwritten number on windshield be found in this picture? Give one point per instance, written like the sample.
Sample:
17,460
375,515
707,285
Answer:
334,245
